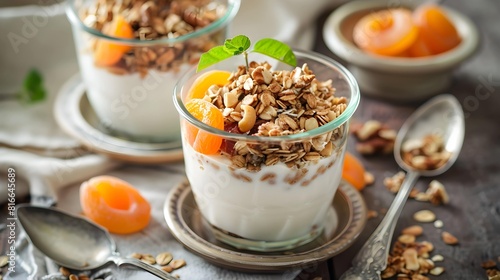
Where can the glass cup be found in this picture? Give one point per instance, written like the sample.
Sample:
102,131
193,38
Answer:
278,201
129,81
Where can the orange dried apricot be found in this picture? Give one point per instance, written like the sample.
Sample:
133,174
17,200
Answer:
353,171
107,53
114,204
205,81
202,141
386,32
436,30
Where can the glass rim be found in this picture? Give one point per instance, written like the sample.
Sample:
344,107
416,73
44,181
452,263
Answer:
353,102
231,11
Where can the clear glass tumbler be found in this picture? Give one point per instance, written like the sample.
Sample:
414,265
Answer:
269,193
131,54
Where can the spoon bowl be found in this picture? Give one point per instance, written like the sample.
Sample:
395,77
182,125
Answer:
74,242
441,115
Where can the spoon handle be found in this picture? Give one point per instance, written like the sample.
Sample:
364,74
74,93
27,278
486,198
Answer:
372,258
119,261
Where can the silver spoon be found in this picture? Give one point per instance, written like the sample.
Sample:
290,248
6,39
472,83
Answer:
442,114
73,242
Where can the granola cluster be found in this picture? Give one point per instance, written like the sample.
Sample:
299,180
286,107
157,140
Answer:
427,153
373,138
157,19
263,102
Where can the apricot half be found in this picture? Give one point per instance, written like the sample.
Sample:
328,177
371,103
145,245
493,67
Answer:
107,53
436,31
114,204
353,171
386,32
202,141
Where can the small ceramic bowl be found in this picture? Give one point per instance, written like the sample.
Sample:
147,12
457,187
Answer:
395,78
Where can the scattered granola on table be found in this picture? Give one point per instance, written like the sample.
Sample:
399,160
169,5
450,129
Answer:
373,138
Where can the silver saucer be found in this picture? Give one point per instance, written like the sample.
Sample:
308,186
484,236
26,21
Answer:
343,225
76,117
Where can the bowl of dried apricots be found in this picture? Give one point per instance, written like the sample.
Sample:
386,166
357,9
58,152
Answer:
404,52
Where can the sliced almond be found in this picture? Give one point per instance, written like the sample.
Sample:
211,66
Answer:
437,258
424,216
163,258
406,238
149,259
448,238
176,264
411,259
438,270
415,230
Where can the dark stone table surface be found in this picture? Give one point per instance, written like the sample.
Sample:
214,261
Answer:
473,183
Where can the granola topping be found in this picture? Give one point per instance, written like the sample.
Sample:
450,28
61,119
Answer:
263,102
427,153
152,20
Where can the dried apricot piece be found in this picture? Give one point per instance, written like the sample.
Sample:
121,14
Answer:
387,32
202,141
436,30
419,48
107,53
353,171
114,204
205,81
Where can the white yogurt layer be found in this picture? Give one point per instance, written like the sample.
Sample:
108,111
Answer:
253,206
139,107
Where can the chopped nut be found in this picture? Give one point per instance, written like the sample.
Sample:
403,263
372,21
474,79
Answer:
388,272
406,238
73,277
371,214
64,271
438,270
249,118
437,194
83,276
369,129
438,224
411,260
448,238
424,216
413,230
176,264
437,258
149,259
393,183
369,178
163,258
167,268
373,138
488,264
136,256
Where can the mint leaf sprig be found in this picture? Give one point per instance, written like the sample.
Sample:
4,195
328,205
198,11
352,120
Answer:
33,89
240,45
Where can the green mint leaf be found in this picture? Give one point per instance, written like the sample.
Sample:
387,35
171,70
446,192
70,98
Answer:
276,50
33,89
237,45
213,56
